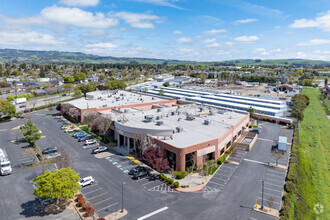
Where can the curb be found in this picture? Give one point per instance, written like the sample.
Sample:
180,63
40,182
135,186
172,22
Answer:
185,191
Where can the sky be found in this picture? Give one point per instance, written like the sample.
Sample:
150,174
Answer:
197,30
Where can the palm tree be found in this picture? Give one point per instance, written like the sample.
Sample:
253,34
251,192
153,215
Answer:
251,111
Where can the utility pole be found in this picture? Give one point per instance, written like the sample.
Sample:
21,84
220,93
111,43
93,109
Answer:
262,196
122,197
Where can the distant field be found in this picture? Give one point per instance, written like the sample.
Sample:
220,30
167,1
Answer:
313,183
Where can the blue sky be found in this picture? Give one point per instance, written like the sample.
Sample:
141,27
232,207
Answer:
208,30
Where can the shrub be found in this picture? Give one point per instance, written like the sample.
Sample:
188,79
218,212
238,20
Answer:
89,211
255,126
101,219
180,174
85,206
289,186
166,179
213,169
176,184
79,196
250,126
81,201
192,169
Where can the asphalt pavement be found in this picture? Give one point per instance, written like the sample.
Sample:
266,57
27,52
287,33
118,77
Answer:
230,194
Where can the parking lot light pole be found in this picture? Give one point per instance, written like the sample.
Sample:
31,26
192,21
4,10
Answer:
122,197
262,196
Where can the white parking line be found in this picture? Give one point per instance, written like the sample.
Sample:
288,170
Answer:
87,187
141,179
253,218
273,171
97,196
254,161
282,182
220,178
262,139
153,213
225,175
216,183
93,191
108,206
147,183
268,199
276,176
273,185
271,195
273,190
102,201
226,166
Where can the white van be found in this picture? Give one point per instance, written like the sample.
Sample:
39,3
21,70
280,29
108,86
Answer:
5,166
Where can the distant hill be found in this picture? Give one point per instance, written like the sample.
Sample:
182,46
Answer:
32,56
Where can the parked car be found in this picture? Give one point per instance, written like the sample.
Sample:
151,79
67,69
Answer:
22,106
86,181
64,95
78,135
19,116
50,150
99,149
91,141
140,175
70,130
255,131
86,138
66,127
53,155
136,170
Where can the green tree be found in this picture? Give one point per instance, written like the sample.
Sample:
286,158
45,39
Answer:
4,84
115,84
84,88
59,184
68,87
68,79
77,93
30,132
166,84
46,85
42,73
251,111
6,108
326,81
161,92
79,76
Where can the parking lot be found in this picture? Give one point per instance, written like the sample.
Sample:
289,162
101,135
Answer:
100,198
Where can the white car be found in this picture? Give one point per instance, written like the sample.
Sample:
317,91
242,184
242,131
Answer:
86,181
53,155
70,130
91,141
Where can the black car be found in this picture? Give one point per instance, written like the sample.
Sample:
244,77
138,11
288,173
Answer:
255,131
49,150
140,175
85,138
136,170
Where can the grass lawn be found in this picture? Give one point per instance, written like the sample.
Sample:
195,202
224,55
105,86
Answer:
313,183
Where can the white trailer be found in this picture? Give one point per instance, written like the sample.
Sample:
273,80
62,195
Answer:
282,142
5,165
20,100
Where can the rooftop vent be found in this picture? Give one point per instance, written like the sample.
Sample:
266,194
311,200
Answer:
159,117
159,110
159,123
190,117
207,122
179,129
126,110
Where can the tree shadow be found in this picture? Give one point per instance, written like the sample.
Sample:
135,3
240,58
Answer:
33,208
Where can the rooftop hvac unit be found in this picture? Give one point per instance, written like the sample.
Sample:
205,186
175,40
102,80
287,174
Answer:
190,117
159,110
159,123
172,113
207,122
159,117
179,129
201,109
126,110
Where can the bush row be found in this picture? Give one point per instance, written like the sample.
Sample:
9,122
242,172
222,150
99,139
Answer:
169,181
292,175
84,205
223,157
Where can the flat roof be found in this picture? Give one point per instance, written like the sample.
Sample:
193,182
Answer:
194,131
105,99
166,94
211,101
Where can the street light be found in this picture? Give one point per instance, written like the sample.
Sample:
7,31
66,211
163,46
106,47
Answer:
262,196
122,197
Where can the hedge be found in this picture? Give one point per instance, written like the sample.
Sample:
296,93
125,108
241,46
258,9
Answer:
180,174
176,184
166,179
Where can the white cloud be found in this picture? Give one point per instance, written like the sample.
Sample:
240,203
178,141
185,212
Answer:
322,22
246,39
321,52
245,21
102,45
186,50
138,20
315,42
166,3
77,17
261,51
177,32
229,43
213,45
79,2
28,38
184,40
208,41
214,31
